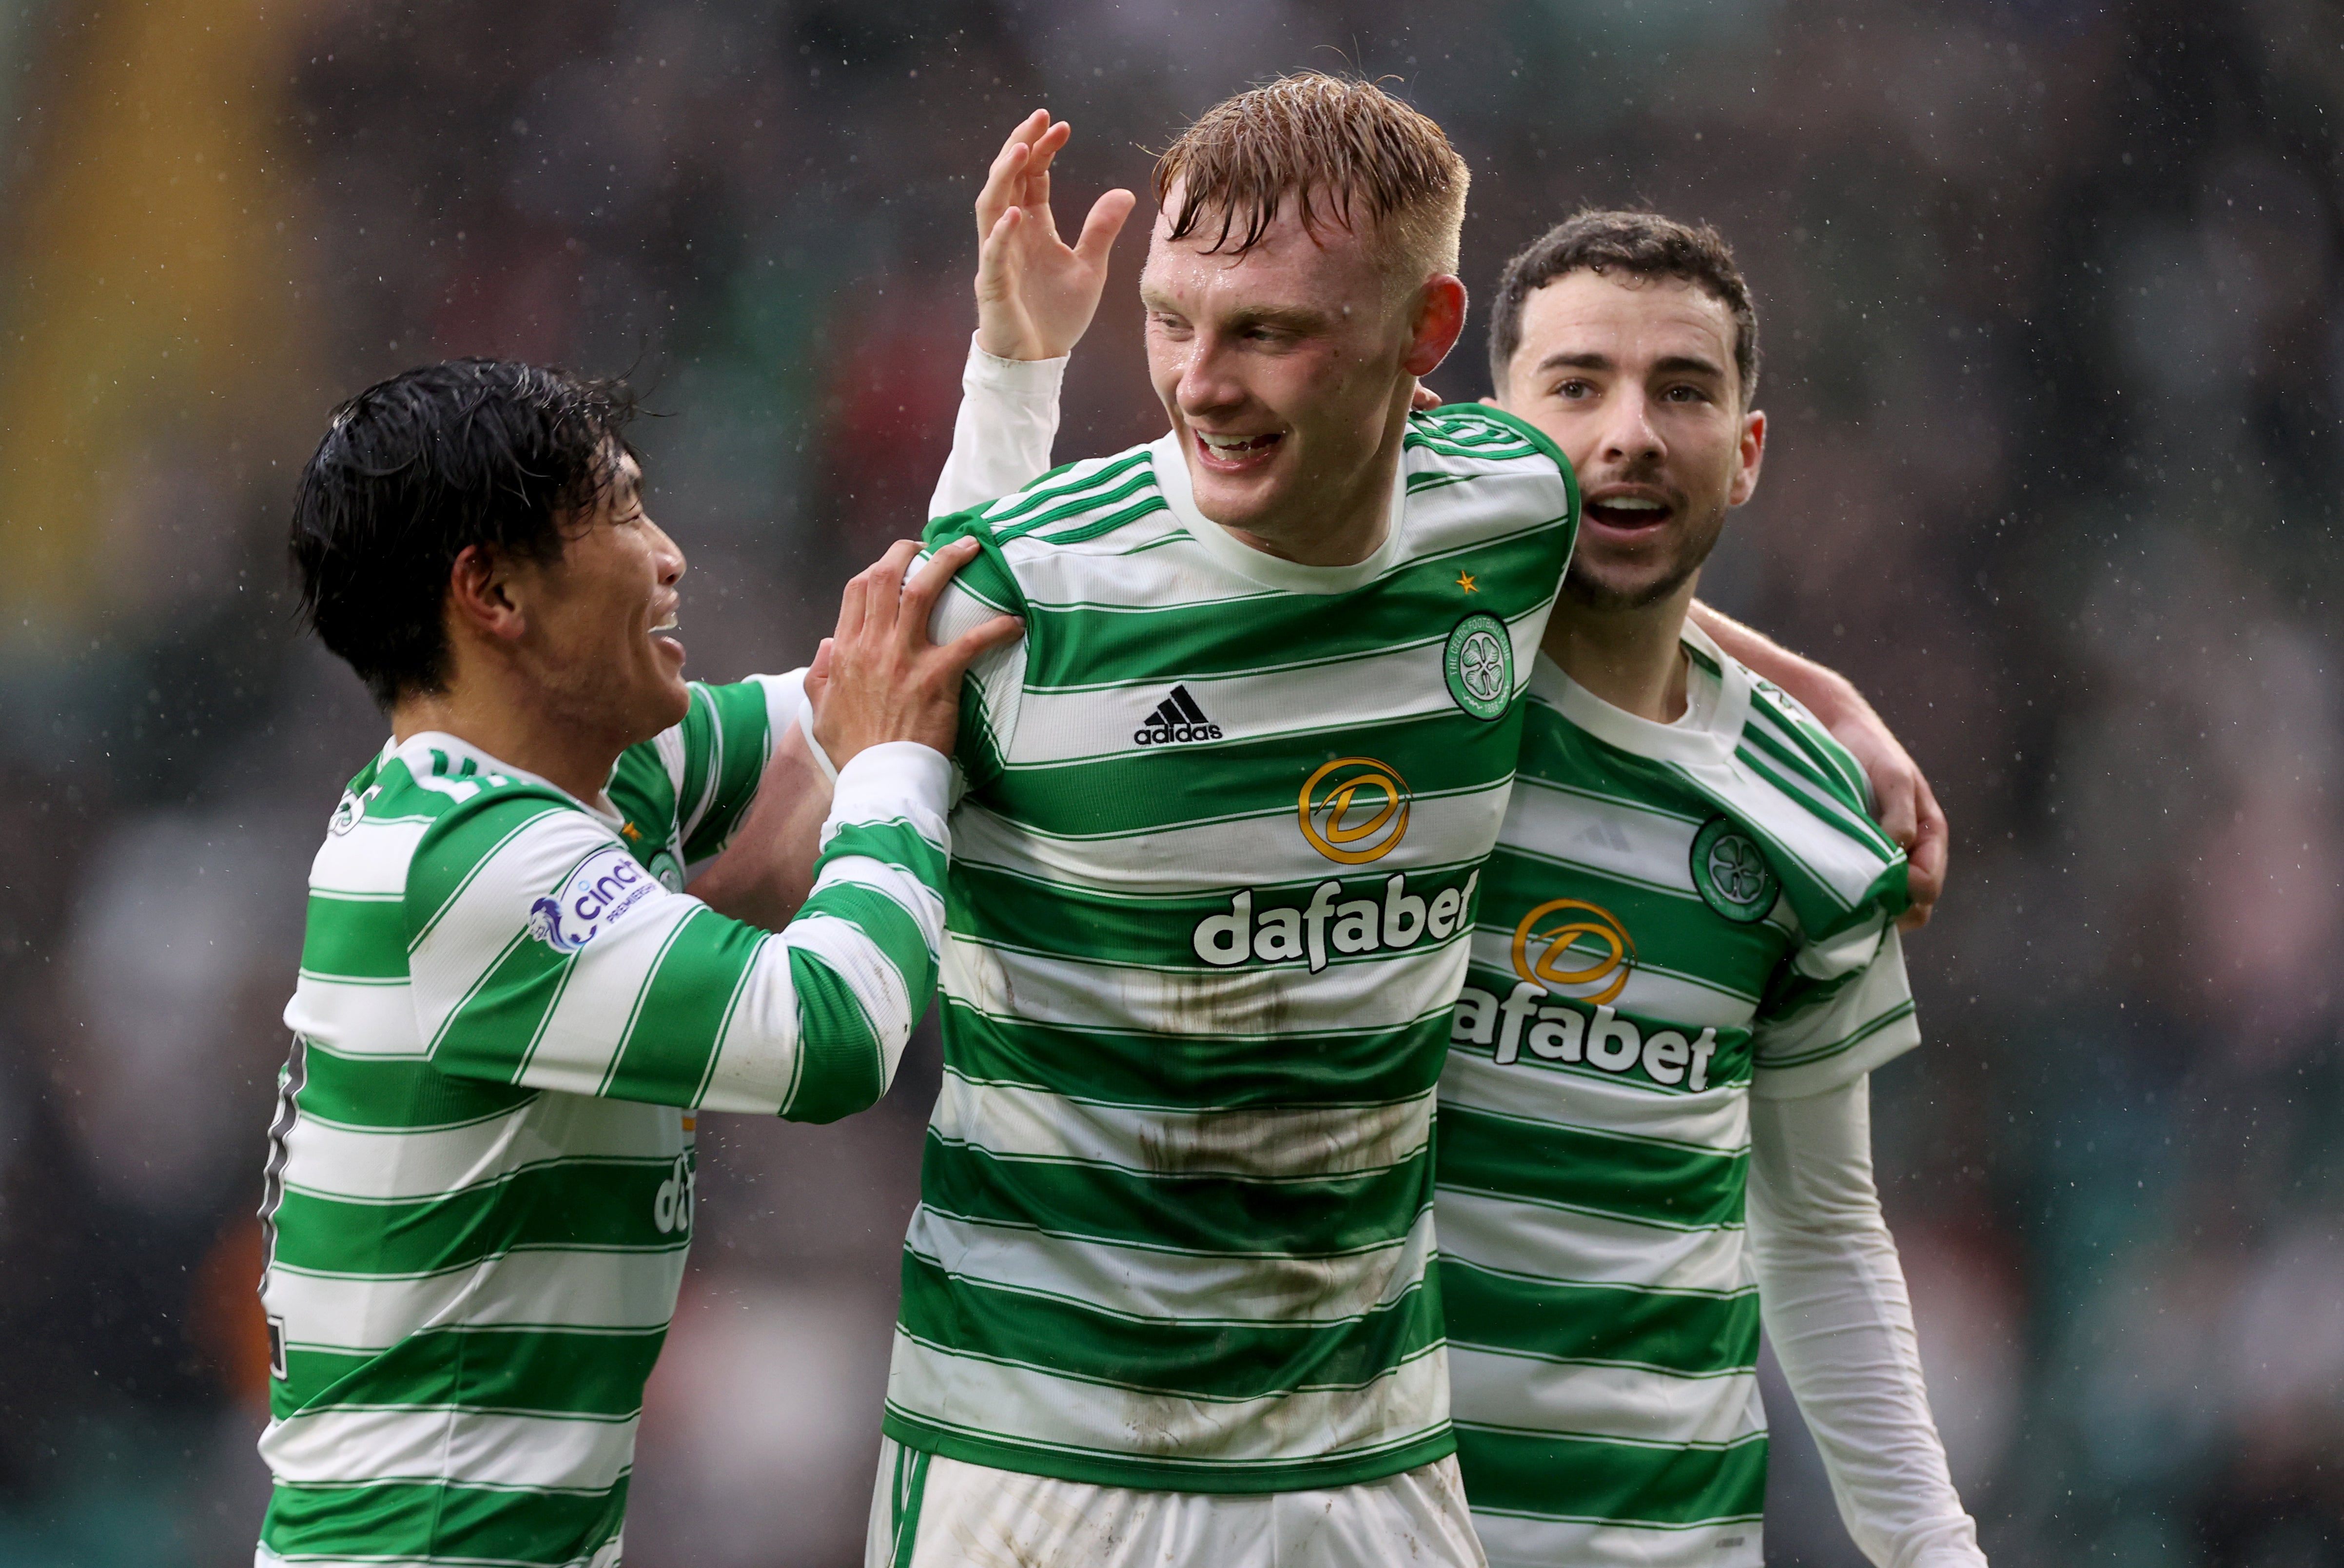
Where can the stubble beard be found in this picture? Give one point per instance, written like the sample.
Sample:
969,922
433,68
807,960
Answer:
1584,589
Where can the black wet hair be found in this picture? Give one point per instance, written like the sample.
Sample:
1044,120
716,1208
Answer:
416,470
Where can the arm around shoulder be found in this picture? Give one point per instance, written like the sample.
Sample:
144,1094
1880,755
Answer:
1902,802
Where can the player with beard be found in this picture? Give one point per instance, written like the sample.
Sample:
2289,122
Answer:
1686,960
1686,968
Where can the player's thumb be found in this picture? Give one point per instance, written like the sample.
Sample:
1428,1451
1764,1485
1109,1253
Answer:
968,648
1108,217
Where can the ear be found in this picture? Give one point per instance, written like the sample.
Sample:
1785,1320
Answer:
1747,460
482,600
1439,323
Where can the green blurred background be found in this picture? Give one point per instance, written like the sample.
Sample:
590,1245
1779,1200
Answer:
2050,292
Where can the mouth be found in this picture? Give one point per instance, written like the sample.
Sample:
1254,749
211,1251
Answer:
663,633
1627,511
1233,454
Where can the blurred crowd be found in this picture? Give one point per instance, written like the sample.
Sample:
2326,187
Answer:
2050,292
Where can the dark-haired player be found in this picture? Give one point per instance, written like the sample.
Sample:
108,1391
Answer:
480,1180
1685,962
1686,968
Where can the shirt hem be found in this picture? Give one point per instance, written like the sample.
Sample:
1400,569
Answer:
1095,1468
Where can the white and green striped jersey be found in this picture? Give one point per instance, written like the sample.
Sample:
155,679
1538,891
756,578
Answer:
1677,916
1211,887
480,1183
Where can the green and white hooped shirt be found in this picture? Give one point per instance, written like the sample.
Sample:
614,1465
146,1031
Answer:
480,1174
1212,887
1677,916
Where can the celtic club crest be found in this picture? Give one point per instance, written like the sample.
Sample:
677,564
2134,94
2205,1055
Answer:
1480,665
1731,873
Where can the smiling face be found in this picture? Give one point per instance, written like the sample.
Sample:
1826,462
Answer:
1634,378
1286,373
599,640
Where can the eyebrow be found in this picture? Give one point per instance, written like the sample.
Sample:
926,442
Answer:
1292,317
1675,364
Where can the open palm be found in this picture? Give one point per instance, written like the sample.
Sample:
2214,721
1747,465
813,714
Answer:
1035,294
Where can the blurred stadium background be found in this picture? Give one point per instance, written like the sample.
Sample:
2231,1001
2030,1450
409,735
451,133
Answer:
2050,294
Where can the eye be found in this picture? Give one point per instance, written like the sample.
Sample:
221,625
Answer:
1575,390
1684,394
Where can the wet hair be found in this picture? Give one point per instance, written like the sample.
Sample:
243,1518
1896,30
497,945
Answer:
417,469
1641,244
1335,143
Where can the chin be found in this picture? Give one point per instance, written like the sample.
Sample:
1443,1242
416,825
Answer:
666,710
1234,502
1620,591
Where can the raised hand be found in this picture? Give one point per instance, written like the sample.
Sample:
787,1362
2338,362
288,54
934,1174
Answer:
1036,295
879,678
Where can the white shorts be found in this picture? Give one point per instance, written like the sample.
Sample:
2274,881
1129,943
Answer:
929,1511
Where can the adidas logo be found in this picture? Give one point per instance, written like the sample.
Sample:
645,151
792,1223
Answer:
1175,718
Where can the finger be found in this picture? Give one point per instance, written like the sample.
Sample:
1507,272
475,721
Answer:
1895,811
1002,179
817,676
887,586
1931,845
1109,213
850,609
1034,192
1423,399
920,595
997,260
1046,147
953,659
1926,861
1025,134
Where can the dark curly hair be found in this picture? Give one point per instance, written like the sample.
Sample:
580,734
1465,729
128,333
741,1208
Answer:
1641,244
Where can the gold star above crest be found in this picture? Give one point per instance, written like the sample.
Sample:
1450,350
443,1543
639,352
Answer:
1465,581
633,833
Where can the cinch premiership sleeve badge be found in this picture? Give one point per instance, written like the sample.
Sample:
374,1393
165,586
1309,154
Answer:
1732,873
1480,665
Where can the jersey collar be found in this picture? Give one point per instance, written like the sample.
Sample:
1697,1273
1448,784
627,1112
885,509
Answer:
1253,566
1716,709
412,752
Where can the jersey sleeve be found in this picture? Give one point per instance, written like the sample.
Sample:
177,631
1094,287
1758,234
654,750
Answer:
991,695
1817,1031
1002,437
717,757
1819,748
542,955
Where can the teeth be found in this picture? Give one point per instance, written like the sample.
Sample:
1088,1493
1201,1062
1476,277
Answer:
1633,504
1229,443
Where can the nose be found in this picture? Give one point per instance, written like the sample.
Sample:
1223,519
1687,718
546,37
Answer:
1207,383
666,554
1630,435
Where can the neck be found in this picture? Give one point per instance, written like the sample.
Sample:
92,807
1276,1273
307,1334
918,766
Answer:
1341,523
533,736
1631,659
